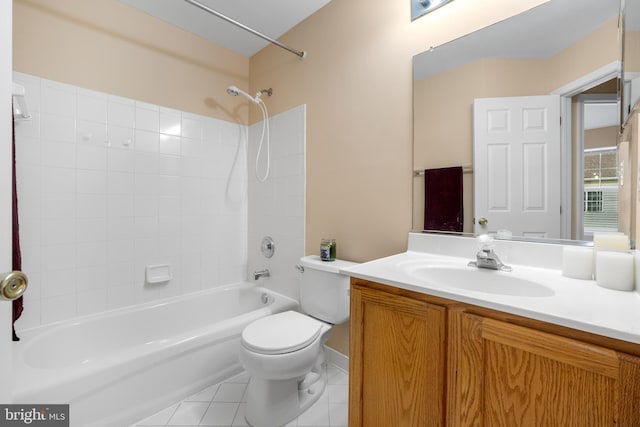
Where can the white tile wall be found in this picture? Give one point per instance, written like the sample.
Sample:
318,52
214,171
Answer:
277,206
108,185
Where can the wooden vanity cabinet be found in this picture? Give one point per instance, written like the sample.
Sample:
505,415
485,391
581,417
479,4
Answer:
397,360
503,374
418,360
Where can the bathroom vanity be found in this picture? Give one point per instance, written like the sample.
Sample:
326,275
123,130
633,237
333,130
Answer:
425,352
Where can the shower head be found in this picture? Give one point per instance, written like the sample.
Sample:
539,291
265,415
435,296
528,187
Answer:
233,90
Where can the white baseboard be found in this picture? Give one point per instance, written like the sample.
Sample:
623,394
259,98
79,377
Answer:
336,358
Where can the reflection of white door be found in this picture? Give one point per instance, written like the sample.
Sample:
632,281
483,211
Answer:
516,163
5,195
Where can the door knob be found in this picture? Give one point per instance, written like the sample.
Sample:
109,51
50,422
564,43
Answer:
12,285
483,221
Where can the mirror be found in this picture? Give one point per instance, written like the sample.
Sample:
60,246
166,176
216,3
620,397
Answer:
566,48
631,56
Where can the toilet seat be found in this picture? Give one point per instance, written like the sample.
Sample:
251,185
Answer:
281,333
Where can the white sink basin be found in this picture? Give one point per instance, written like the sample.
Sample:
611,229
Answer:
478,280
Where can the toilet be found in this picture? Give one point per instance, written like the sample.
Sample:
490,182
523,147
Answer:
284,352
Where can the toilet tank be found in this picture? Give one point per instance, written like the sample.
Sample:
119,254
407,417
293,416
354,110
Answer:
324,292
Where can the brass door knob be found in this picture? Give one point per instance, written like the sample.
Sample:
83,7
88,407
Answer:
483,221
12,285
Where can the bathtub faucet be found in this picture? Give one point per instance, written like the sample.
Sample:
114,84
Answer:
261,273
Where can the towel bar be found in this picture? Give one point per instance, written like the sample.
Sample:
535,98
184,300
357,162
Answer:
465,169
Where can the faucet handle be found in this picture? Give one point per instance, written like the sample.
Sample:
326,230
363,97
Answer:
485,242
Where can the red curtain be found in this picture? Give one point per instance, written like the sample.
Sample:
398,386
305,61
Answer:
17,256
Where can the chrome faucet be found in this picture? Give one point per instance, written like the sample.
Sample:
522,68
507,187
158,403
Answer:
486,257
261,273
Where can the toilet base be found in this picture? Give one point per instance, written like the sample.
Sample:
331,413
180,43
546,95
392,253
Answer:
273,403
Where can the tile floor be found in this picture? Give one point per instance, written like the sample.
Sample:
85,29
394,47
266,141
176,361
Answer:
223,405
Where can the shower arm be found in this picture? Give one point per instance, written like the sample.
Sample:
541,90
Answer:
195,3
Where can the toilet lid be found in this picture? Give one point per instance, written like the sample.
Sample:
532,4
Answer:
281,333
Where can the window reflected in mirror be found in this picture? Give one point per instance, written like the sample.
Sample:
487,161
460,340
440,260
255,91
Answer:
600,190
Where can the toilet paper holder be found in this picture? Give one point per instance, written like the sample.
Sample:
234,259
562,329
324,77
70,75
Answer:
12,285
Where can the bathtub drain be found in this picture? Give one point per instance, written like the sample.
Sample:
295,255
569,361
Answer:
265,298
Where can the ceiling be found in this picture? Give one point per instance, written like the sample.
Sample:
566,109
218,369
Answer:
553,25
272,18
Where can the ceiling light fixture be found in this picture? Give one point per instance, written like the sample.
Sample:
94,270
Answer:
421,7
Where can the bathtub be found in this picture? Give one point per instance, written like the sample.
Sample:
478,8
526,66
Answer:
117,367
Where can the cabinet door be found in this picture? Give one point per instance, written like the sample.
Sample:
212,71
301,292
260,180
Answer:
397,361
512,376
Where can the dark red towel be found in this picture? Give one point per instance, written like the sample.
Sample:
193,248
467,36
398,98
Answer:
443,199
17,256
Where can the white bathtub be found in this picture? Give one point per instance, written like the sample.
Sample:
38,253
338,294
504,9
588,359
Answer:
117,367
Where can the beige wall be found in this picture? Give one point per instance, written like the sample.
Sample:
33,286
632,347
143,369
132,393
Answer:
110,47
600,137
631,49
356,83
599,48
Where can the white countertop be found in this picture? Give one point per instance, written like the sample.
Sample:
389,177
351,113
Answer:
577,304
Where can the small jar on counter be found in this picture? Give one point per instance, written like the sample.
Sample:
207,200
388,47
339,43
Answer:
328,250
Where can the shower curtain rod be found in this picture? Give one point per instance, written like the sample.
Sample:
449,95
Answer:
299,53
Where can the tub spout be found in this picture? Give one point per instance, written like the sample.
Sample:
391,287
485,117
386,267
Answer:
261,273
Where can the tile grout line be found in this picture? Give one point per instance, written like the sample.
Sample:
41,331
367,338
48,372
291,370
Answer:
331,363
172,414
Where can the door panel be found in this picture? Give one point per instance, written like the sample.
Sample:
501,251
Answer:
5,194
517,165
397,363
534,185
498,168
513,376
